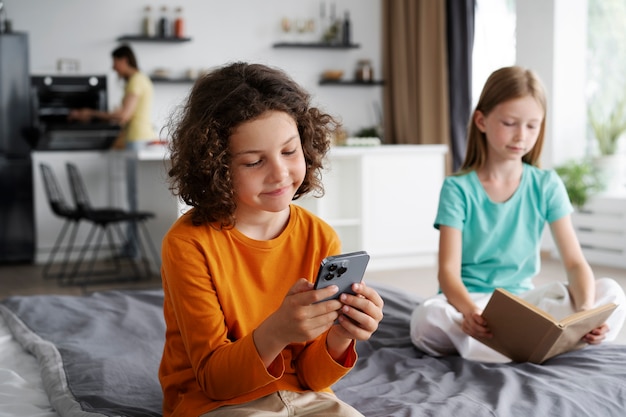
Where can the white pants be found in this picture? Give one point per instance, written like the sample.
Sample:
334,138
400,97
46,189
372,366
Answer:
436,324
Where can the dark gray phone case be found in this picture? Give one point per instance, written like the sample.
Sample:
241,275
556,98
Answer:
343,271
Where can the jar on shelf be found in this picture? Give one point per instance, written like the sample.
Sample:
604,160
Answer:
364,71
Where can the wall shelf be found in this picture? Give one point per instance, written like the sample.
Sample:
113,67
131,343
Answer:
139,38
318,45
352,83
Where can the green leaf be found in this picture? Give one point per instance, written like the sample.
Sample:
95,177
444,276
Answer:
581,180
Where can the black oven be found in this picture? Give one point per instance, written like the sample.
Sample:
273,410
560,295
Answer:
53,97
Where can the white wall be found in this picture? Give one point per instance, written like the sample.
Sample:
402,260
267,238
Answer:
552,39
221,31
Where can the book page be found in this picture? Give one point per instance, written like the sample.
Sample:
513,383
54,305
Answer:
581,315
576,326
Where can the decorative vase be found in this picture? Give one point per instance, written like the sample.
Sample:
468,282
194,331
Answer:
612,172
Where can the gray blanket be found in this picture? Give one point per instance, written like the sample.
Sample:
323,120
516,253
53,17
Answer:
393,378
99,356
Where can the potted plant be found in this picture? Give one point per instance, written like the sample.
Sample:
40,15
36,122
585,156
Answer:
607,133
581,180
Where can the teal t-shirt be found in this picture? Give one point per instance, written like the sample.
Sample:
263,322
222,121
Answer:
502,241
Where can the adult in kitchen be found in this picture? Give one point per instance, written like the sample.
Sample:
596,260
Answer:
134,115
135,112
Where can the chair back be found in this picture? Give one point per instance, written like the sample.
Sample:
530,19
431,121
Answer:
53,192
79,191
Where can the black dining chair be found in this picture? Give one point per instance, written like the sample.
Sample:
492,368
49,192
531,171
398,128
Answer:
72,217
107,222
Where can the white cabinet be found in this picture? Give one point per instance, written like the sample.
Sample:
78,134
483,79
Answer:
601,230
600,227
384,200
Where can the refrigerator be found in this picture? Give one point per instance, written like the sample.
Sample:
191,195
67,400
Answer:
17,230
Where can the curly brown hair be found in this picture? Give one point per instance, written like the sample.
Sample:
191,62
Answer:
221,100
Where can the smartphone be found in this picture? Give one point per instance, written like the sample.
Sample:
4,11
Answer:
343,271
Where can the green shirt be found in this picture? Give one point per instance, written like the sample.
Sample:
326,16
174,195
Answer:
502,241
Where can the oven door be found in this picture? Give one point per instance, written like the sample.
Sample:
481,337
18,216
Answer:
77,137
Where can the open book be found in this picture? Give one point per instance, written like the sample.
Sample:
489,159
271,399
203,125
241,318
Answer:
525,333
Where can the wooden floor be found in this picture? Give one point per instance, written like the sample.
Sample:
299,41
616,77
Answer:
423,281
27,279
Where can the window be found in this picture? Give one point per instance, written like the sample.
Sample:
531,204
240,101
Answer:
494,41
606,57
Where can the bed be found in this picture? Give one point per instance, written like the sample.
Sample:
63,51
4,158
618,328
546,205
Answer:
97,355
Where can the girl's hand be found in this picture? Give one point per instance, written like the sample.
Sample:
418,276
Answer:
597,335
359,318
475,325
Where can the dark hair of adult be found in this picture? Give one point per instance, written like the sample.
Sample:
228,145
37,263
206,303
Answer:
504,84
124,51
220,101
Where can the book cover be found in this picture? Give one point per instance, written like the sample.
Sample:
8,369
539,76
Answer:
525,333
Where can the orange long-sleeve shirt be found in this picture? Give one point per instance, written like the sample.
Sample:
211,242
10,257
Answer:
219,286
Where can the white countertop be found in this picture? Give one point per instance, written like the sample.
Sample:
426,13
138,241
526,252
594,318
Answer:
152,153
160,153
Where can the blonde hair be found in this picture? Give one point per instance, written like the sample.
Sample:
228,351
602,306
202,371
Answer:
504,84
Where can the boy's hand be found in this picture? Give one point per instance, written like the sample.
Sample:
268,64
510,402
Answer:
359,318
299,318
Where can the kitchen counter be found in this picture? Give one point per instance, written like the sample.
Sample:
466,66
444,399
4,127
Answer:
161,153
397,183
379,198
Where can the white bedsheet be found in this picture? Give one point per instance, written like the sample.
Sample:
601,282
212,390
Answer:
21,387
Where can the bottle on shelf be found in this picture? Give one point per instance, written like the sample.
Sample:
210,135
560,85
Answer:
148,25
324,27
179,23
3,19
164,24
332,33
321,23
345,29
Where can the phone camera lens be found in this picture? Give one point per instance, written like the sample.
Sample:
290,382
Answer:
332,267
342,270
328,277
